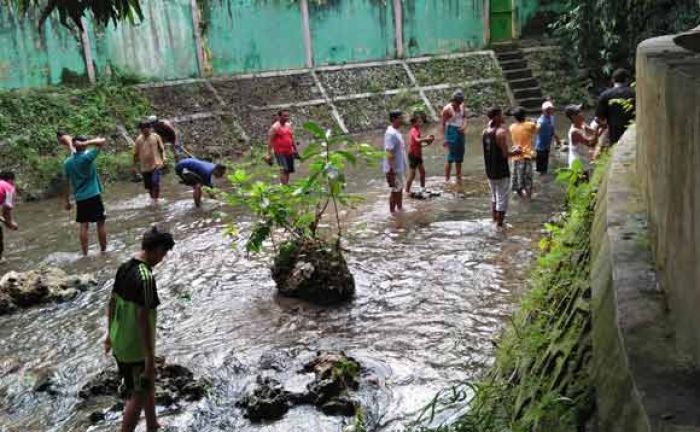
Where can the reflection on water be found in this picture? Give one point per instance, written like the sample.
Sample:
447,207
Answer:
434,286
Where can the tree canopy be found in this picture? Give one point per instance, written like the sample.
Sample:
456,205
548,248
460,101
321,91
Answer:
71,11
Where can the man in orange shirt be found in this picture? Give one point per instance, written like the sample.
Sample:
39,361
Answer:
523,133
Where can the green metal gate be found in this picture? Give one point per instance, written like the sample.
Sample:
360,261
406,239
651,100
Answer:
501,17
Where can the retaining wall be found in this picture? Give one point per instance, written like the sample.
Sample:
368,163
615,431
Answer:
645,276
194,38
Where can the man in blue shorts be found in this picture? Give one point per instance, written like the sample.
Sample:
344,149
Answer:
454,129
197,173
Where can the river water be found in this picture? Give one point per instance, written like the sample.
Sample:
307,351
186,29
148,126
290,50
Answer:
434,288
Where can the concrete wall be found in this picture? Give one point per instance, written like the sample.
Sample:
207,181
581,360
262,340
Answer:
239,36
668,164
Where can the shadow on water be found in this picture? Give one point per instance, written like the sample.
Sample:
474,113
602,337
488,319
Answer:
434,287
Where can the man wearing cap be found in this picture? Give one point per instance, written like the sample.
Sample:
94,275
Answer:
394,163
496,153
149,154
454,128
611,112
545,133
169,135
582,137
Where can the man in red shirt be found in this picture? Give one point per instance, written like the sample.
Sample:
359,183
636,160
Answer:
281,143
415,151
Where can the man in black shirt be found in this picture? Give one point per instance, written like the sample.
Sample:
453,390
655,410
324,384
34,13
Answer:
611,111
496,153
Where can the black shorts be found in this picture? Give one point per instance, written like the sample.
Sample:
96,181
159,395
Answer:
151,179
90,210
190,178
414,161
133,378
286,162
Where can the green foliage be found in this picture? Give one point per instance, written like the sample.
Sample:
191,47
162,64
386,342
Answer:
540,380
560,78
603,35
296,209
29,120
71,11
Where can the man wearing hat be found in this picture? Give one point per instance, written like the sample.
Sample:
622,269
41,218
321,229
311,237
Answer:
454,128
582,137
545,133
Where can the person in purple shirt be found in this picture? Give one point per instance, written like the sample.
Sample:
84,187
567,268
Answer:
198,173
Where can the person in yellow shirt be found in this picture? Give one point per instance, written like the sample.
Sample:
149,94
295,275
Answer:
523,134
149,154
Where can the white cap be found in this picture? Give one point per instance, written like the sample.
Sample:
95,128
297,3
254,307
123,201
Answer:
547,105
152,119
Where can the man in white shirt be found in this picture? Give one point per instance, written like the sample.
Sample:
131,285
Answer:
394,162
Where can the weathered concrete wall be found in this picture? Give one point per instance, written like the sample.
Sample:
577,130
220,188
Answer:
668,163
643,381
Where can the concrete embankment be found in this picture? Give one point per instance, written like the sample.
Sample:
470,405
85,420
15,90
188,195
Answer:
645,276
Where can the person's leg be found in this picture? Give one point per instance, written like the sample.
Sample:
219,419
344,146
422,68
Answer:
197,194
2,243
149,410
284,177
399,200
421,171
411,176
84,230
392,202
102,235
458,172
448,170
132,412
528,179
545,161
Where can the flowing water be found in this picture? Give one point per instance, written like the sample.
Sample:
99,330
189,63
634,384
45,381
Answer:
434,287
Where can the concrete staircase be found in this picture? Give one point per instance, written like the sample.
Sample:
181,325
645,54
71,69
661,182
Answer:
523,85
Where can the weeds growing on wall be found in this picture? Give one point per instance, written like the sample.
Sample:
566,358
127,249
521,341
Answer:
540,380
29,120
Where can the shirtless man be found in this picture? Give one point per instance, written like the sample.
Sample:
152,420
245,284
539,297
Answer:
454,128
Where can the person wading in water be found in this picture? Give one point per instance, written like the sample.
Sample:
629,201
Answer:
454,129
280,142
82,177
394,164
149,155
131,328
496,153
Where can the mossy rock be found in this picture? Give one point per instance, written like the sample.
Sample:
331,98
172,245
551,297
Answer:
313,271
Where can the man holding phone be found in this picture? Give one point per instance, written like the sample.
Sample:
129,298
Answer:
131,324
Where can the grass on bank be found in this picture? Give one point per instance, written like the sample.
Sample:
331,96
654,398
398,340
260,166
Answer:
540,380
29,120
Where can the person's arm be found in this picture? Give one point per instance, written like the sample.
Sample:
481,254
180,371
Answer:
463,129
580,137
270,137
161,149
446,116
110,314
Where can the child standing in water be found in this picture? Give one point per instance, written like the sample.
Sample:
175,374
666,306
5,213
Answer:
415,151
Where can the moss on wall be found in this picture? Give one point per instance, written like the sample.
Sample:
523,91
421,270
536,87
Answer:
541,379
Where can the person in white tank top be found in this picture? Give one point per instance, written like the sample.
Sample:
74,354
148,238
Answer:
454,128
582,137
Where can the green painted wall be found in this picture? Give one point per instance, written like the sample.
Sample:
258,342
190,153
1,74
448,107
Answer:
250,35
346,31
161,46
442,26
527,11
29,58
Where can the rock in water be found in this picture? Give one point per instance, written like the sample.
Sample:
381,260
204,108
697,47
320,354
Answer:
336,375
313,271
269,401
40,286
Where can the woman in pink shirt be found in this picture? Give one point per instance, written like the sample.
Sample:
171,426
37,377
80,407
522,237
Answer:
7,196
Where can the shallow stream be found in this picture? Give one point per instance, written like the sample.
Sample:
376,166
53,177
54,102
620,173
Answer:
434,288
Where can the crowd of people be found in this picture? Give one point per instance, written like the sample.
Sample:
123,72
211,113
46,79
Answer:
512,154
131,311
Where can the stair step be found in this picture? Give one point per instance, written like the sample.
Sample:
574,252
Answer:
517,84
534,103
509,55
513,65
504,46
532,92
518,74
